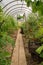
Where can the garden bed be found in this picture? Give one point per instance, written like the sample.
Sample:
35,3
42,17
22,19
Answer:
30,60
9,47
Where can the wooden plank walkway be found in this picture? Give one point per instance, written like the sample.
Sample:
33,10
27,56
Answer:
18,57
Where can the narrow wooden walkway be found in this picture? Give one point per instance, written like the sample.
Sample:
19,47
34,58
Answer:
18,57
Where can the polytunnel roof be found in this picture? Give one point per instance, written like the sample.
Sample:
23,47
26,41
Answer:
13,7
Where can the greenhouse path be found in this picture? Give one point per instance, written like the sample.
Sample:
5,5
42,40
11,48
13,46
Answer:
18,57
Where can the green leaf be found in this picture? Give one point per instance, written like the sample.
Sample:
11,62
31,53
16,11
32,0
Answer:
1,9
41,55
40,49
41,63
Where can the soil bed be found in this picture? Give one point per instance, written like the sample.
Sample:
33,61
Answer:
30,60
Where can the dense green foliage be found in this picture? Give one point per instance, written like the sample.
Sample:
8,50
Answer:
40,51
37,5
1,9
34,27
33,30
7,25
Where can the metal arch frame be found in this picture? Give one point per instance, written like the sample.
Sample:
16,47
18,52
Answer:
16,8
9,3
13,14
0,0
13,6
15,11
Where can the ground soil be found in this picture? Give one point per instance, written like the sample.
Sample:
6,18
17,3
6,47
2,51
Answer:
29,59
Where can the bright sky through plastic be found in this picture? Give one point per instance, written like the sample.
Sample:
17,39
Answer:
32,0
18,9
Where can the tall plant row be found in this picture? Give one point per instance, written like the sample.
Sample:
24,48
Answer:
34,24
7,26
33,31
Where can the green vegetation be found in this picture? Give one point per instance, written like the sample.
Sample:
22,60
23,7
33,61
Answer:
33,31
37,5
40,51
19,17
7,26
33,27
41,63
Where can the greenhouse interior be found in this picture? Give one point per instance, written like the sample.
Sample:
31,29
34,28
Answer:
21,32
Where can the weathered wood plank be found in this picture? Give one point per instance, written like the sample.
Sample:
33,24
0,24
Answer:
18,57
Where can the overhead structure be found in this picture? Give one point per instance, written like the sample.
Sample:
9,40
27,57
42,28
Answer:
15,7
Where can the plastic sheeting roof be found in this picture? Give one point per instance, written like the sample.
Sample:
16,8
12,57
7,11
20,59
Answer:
14,7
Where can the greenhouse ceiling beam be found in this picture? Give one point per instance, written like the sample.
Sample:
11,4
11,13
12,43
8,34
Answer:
17,8
14,13
21,6
9,4
0,0
12,6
